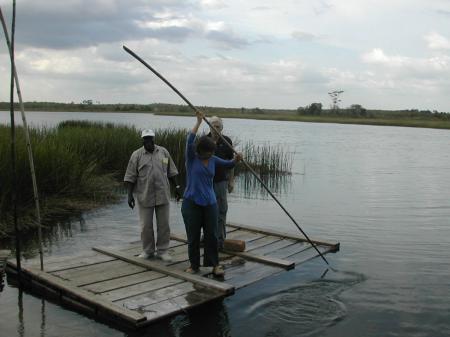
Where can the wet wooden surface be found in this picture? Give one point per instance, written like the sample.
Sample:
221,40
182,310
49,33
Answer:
140,291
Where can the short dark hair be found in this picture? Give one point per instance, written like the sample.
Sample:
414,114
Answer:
205,144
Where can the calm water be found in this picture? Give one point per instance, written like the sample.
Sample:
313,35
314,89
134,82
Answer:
383,192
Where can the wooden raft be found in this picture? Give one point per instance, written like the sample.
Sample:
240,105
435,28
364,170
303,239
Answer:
114,285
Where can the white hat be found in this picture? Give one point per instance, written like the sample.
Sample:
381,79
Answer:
147,133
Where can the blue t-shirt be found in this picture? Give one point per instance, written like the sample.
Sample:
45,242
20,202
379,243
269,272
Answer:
199,178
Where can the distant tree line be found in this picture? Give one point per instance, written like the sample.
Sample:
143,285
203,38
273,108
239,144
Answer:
314,109
358,111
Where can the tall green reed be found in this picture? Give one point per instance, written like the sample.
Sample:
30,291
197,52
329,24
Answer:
80,164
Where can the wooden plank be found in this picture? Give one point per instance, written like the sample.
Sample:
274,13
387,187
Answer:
335,245
67,288
230,229
90,269
137,246
223,287
308,254
270,248
181,257
287,251
178,304
68,262
269,260
250,272
101,272
263,241
178,237
141,288
123,281
241,277
249,256
174,249
182,237
156,296
245,235
255,276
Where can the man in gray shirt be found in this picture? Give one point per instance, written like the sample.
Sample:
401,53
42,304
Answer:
147,177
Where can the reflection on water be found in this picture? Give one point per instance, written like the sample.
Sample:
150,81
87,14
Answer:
211,320
21,325
250,188
43,319
52,234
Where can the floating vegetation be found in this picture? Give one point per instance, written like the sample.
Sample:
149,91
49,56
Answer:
80,165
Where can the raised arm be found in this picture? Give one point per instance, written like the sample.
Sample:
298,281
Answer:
190,150
200,117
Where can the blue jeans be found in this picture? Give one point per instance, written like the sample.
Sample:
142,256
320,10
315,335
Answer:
195,218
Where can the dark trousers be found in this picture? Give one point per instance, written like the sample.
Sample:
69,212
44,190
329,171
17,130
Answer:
195,218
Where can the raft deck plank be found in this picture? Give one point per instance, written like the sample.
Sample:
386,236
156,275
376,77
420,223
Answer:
67,288
124,281
155,296
249,256
177,304
334,245
114,282
268,249
153,265
99,272
141,288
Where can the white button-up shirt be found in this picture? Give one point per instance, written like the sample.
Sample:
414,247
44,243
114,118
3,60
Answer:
149,172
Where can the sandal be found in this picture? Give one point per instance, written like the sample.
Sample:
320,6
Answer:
218,271
191,270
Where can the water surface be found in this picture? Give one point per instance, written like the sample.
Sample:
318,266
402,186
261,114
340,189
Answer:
382,192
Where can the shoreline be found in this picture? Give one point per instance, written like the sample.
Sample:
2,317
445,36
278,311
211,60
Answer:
283,115
416,123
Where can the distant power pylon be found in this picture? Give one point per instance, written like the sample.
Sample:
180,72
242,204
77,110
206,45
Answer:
335,98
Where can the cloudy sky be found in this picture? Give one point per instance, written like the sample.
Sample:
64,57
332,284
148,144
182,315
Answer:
256,53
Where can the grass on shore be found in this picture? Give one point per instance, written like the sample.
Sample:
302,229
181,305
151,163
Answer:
406,118
80,165
417,123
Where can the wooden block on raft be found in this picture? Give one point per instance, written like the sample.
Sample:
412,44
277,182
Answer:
234,245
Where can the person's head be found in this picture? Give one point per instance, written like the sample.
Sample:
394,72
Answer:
216,122
205,147
148,139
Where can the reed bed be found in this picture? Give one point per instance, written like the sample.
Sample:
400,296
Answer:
267,160
80,165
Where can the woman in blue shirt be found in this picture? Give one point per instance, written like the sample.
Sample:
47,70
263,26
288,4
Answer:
199,207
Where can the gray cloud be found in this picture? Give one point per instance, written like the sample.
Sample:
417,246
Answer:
226,39
304,36
88,23
262,8
82,23
443,12
322,7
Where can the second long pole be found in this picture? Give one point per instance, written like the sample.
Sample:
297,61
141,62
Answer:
129,51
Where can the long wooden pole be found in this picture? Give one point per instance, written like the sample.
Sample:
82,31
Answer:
13,155
27,137
228,144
